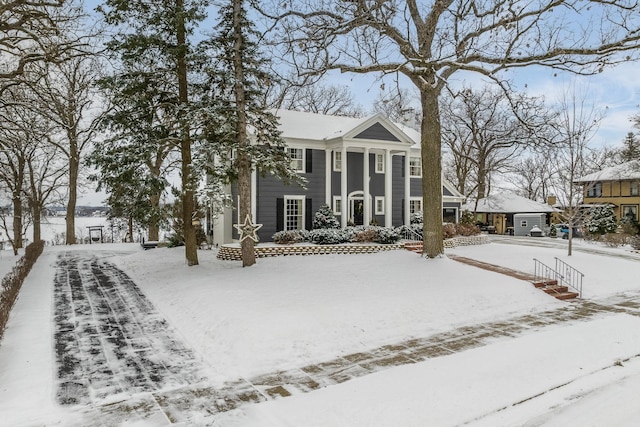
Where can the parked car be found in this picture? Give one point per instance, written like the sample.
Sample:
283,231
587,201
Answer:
563,229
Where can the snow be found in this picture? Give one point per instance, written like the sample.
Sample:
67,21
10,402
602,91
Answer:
288,312
507,202
624,171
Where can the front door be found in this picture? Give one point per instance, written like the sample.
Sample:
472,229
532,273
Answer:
357,211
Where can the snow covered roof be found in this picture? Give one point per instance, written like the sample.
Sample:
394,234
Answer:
320,127
624,171
507,202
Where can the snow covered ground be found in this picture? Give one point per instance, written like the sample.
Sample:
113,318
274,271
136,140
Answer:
289,312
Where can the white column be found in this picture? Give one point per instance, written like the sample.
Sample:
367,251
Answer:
388,197
344,202
327,178
407,186
254,196
365,188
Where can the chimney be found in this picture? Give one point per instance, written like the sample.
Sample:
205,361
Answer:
551,200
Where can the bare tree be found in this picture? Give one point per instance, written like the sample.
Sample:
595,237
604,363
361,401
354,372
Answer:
576,125
533,175
399,105
322,99
485,130
30,32
67,98
429,42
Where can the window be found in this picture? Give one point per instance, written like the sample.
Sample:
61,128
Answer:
523,223
630,211
297,159
337,161
337,205
379,205
633,190
415,167
293,212
415,205
379,163
450,215
594,190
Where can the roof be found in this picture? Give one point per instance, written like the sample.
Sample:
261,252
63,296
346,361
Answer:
320,127
508,202
624,171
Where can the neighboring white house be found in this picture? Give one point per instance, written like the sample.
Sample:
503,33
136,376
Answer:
497,210
367,169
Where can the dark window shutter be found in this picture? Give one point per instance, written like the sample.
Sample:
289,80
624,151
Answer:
401,166
308,214
402,211
280,214
308,160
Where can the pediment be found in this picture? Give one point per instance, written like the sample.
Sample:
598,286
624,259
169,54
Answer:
377,132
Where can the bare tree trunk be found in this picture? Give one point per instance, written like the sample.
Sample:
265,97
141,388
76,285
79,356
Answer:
188,193
17,224
433,245
73,197
36,211
244,162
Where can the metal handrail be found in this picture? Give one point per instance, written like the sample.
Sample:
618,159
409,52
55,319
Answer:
563,273
569,276
409,234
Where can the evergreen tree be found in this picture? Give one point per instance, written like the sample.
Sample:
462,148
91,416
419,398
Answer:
134,161
601,220
239,119
161,30
631,148
324,218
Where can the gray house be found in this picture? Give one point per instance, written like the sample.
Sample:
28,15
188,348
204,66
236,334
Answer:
367,169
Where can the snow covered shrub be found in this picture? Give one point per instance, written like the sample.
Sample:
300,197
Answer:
325,218
387,235
634,241
615,240
288,237
629,225
416,218
329,236
366,235
449,231
467,229
601,220
467,218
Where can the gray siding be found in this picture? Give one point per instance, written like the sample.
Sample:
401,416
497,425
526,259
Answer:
378,132
533,219
270,189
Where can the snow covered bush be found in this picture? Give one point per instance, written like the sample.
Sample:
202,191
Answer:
467,229
467,218
289,236
325,218
601,220
416,218
387,235
449,231
366,235
630,225
635,242
329,236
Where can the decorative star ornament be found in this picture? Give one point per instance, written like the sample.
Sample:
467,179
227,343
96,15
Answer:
248,229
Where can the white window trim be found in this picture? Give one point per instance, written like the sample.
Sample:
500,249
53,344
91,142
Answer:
304,160
375,204
335,161
412,199
337,199
302,225
410,168
379,165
